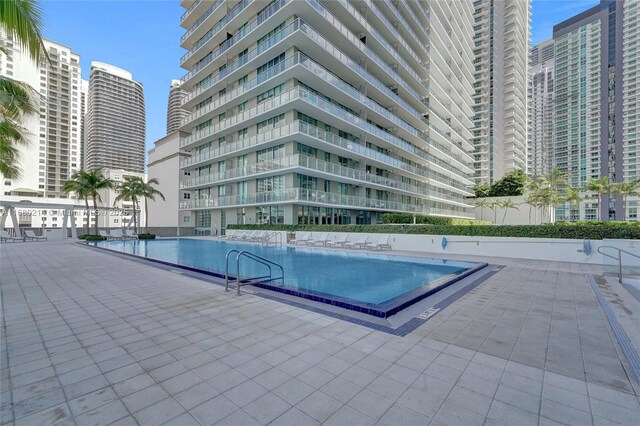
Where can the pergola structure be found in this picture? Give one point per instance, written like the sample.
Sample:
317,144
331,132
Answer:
10,208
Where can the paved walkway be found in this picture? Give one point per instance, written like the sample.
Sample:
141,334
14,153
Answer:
91,338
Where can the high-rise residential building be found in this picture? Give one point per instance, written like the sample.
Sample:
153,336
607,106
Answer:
308,111
596,116
52,152
540,109
84,93
175,112
115,120
501,36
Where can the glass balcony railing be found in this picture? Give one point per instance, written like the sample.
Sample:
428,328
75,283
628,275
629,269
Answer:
303,161
317,197
201,19
326,137
262,17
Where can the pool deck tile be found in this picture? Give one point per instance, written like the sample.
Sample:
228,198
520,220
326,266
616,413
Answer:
90,338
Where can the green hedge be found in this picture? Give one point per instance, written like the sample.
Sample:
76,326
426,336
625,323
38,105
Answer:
524,231
407,218
146,236
92,237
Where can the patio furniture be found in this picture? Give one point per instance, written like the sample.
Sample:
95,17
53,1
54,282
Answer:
382,244
339,241
4,237
358,243
31,236
302,239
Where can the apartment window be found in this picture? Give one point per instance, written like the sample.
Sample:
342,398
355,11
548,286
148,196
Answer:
272,63
276,91
277,30
307,150
271,183
307,119
307,182
271,123
271,153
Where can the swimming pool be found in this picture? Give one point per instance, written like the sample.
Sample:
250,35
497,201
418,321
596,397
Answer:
373,283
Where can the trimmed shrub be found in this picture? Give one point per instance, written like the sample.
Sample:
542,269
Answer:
146,236
522,231
407,218
93,238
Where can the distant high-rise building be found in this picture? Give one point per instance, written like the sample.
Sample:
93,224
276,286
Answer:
501,34
115,120
540,109
597,114
52,152
326,112
83,112
175,112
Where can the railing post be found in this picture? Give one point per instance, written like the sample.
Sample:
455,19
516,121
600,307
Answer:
619,266
238,274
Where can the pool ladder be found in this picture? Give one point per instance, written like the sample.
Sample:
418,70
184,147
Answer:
268,237
253,280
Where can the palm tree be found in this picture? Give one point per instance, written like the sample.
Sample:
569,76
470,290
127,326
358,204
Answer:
21,21
95,181
572,196
493,205
482,203
506,205
149,193
130,190
626,189
600,186
79,185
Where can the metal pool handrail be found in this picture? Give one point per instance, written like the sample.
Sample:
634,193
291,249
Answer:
618,258
278,236
252,280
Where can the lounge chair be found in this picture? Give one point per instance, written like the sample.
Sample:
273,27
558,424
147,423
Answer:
236,235
301,238
129,233
320,241
382,244
338,241
117,234
105,234
248,236
358,243
259,236
31,236
4,236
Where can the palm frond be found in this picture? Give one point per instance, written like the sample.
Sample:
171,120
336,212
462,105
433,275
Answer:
22,21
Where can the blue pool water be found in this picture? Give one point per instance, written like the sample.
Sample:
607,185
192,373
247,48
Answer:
370,278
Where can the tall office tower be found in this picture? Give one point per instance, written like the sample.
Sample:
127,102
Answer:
597,120
540,110
84,93
501,35
115,120
175,112
51,153
308,111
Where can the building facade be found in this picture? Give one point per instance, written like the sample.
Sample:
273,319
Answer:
540,145
501,43
175,112
596,116
115,120
52,152
164,165
322,112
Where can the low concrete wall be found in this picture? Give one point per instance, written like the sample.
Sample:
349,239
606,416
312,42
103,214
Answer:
550,249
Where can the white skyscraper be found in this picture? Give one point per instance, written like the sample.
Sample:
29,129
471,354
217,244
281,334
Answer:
501,29
52,152
175,112
307,111
115,121
540,145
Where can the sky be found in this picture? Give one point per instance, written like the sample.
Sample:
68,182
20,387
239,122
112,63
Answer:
143,38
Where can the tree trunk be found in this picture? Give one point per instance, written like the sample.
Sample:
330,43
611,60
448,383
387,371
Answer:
95,208
146,216
135,216
504,216
88,216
